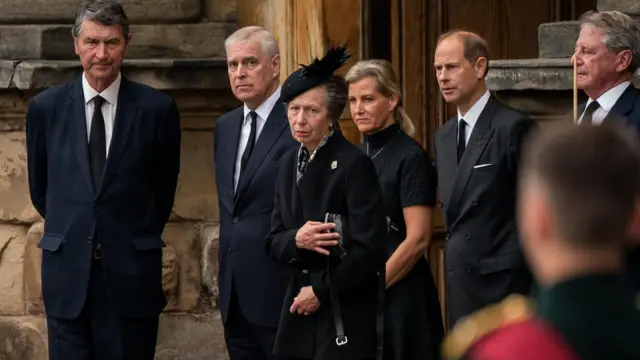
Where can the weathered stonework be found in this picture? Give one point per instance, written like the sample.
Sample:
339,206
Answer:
631,7
54,42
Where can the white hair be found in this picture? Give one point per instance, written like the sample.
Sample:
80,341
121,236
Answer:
267,41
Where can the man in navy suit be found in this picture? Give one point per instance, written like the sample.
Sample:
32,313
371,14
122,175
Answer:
103,161
249,142
607,55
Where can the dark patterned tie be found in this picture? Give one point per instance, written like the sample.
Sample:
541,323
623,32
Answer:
97,143
250,143
461,138
587,118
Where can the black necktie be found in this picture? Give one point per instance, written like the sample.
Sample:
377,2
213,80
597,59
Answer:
250,143
97,143
461,138
587,118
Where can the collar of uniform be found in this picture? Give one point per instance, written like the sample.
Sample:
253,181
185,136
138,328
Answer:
110,94
609,98
265,108
471,117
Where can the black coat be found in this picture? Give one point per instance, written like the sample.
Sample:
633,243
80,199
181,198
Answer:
340,180
484,262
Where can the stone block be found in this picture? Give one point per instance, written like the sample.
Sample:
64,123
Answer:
191,337
558,40
15,201
534,74
12,253
32,271
63,11
13,107
221,10
162,74
196,197
23,338
54,42
210,242
183,293
631,7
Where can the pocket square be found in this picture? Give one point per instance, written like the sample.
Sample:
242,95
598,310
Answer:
481,166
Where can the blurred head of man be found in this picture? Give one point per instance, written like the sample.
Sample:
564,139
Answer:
461,62
607,51
253,63
577,199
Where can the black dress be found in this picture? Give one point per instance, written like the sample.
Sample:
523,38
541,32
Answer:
413,320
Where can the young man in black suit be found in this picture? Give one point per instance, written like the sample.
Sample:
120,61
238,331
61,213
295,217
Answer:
477,154
248,144
607,55
103,160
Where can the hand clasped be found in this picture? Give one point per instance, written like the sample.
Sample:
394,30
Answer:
314,236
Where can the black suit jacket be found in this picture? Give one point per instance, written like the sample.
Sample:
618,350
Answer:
127,214
340,180
627,110
484,262
244,218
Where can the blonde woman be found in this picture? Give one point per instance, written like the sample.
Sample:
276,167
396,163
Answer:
413,322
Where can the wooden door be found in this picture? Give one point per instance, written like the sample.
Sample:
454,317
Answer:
405,32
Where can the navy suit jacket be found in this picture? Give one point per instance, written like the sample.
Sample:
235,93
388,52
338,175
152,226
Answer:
627,110
245,219
126,214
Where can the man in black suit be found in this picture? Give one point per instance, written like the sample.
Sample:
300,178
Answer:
103,161
607,55
248,144
476,157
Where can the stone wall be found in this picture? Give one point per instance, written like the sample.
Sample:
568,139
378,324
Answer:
178,48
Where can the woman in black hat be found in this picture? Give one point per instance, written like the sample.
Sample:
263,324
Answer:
329,224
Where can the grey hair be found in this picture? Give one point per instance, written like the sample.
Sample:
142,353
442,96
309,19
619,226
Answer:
105,12
620,32
268,43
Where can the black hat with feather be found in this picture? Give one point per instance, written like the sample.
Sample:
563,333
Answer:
309,76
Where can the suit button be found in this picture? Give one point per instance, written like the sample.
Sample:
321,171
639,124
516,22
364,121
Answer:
89,240
229,250
235,220
440,204
447,237
474,203
468,236
469,269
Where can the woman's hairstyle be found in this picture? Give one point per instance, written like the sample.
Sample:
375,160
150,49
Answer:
337,96
387,84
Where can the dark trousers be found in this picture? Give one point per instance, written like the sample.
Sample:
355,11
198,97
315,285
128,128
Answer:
245,340
99,333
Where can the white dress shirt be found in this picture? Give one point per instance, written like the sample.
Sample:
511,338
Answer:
110,95
606,101
263,112
471,117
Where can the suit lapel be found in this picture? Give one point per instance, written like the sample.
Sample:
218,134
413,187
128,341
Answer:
125,114
623,106
77,120
228,138
478,140
269,135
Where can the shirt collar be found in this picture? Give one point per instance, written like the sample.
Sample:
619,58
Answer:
265,108
471,117
110,94
611,96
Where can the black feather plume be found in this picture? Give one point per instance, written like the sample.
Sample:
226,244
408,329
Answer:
325,67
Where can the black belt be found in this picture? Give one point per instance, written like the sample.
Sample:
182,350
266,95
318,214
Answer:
341,337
